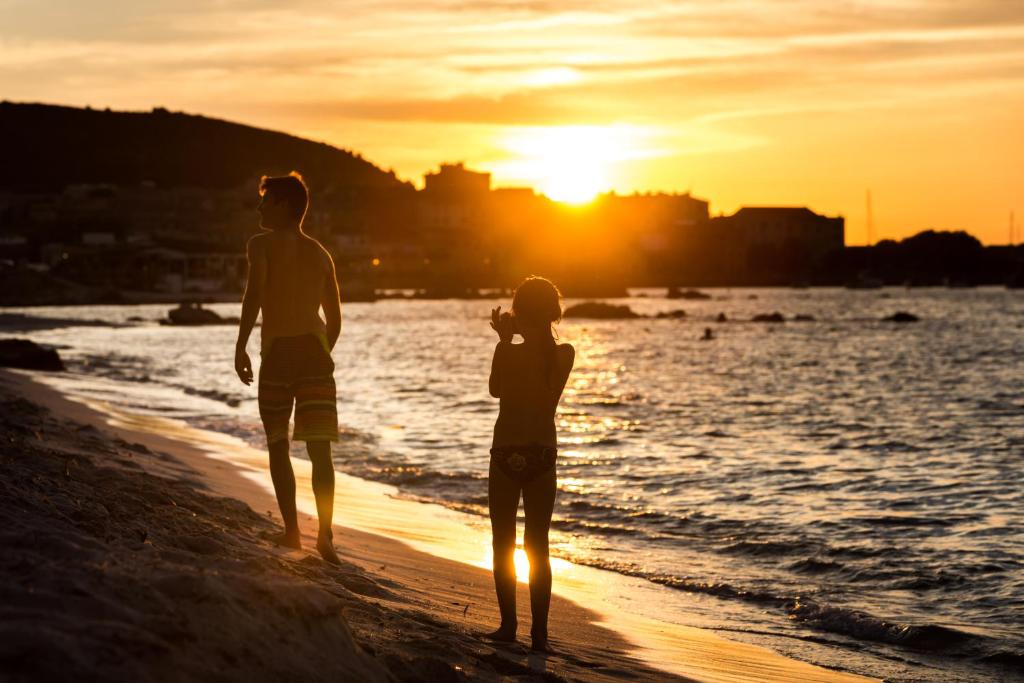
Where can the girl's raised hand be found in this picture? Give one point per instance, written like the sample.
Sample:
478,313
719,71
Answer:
502,324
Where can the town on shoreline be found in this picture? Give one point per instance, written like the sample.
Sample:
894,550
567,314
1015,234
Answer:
108,207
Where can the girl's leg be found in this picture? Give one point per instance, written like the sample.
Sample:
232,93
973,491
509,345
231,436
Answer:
502,504
538,503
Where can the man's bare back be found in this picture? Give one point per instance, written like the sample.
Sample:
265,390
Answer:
298,277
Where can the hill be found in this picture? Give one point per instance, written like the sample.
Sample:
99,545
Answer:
47,147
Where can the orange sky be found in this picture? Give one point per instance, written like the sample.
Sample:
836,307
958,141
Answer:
785,102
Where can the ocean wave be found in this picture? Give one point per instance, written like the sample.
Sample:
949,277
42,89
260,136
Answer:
228,399
124,368
811,565
764,548
864,626
605,529
900,520
416,476
936,639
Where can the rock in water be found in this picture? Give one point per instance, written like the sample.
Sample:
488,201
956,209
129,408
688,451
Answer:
775,317
193,313
901,317
26,354
677,313
601,310
691,294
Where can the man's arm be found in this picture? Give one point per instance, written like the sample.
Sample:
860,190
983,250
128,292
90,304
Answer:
330,299
251,302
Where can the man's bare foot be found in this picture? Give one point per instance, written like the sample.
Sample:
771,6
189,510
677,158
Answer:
325,546
504,634
287,540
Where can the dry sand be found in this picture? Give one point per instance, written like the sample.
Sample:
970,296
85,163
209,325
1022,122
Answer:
132,549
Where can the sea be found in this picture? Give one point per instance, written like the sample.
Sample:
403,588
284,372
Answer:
844,489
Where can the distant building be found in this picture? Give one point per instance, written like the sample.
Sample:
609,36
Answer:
777,226
455,181
774,245
660,222
452,204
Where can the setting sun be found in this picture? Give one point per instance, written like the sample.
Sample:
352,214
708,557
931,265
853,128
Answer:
570,164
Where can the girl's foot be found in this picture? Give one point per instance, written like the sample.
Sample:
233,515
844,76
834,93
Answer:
504,634
539,643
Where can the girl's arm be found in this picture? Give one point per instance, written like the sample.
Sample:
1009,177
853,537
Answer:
494,382
503,325
559,374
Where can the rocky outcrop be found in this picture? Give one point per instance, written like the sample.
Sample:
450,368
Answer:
193,313
26,354
901,317
674,314
691,294
600,310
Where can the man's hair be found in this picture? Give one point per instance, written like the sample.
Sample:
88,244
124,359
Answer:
290,189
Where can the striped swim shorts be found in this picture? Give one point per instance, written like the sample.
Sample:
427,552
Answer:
298,371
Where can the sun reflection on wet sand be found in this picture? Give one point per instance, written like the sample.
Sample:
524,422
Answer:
559,567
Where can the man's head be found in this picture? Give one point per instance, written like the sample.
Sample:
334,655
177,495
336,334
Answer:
283,203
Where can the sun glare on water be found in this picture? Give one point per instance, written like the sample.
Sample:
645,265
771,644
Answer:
570,164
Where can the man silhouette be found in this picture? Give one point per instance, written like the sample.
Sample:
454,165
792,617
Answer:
291,276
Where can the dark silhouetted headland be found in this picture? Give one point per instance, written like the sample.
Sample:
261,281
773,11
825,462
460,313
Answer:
48,147
103,206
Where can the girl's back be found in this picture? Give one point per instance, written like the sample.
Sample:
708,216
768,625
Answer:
531,377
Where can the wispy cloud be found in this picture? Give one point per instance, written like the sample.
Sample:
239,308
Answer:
410,81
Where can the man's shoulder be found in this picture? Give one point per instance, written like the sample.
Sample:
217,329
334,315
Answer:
315,243
257,242
322,254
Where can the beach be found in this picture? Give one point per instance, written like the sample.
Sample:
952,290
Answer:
752,486
139,545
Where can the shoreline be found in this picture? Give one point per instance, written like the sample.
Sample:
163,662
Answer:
439,563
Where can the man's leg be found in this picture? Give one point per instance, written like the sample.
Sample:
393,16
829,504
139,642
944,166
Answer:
323,491
275,400
284,488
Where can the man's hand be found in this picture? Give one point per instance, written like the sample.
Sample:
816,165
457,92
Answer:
503,323
243,366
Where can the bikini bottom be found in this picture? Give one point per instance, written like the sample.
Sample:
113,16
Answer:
524,463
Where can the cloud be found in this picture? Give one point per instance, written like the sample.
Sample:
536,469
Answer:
411,81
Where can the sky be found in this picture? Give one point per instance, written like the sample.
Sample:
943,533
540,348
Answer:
741,102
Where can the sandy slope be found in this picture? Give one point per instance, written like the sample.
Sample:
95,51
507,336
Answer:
208,596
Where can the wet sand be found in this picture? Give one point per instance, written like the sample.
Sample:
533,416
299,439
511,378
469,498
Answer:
152,539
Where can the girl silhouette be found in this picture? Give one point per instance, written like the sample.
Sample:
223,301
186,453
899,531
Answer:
528,378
